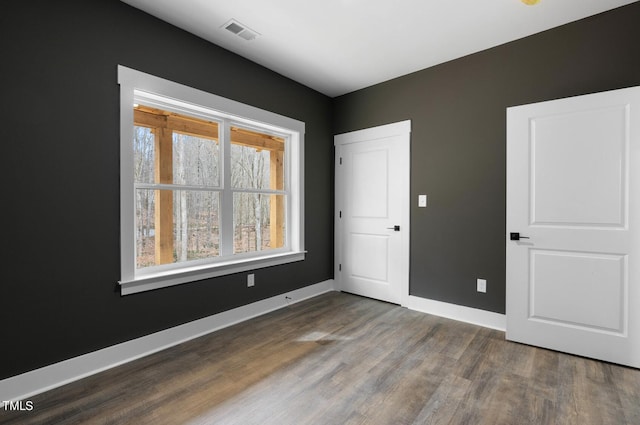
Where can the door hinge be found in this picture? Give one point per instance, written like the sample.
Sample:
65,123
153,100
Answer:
340,160
339,267
340,214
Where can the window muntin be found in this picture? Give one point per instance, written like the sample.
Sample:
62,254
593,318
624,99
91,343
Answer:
208,241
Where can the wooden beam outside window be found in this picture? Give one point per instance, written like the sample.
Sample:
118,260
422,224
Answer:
276,208
259,141
174,122
164,198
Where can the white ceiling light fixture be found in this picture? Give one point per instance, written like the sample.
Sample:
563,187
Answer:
240,30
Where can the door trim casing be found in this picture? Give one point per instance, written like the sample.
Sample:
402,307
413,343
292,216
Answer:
401,128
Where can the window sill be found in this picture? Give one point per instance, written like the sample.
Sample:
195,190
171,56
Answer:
165,279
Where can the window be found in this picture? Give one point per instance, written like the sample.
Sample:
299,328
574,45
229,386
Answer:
209,186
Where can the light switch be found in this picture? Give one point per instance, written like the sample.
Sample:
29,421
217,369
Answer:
481,285
422,201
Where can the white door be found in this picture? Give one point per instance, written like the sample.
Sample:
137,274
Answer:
372,212
573,189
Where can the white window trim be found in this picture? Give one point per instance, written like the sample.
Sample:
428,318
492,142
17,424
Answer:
131,281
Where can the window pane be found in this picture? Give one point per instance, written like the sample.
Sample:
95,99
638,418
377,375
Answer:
257,160
195,160
258,222
172,148
176,226
143,154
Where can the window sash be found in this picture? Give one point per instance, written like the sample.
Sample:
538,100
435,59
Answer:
227,213
153,91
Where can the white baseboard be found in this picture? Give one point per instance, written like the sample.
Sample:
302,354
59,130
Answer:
475,316
28,384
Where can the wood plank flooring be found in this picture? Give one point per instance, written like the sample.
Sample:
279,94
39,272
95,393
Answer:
342,359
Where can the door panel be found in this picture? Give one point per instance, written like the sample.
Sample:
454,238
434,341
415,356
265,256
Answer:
593,284
368,259
372,197
577,163
573,285
369,183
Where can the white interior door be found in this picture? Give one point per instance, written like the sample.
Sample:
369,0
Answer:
573,189
372,212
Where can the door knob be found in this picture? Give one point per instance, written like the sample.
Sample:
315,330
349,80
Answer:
395,228
515,236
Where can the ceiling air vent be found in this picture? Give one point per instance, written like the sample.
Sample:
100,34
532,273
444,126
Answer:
240,30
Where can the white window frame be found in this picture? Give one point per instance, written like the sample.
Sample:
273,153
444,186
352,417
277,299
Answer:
177,97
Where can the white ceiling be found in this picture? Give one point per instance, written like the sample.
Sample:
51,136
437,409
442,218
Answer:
338,46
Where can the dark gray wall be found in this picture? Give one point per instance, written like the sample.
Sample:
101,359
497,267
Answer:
459,134
60,136
59,112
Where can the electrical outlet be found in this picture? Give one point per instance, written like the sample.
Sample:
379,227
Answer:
251,280
481,285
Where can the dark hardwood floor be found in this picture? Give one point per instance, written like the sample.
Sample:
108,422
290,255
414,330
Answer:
342,359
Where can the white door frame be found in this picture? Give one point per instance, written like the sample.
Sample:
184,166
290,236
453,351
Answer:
401,128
